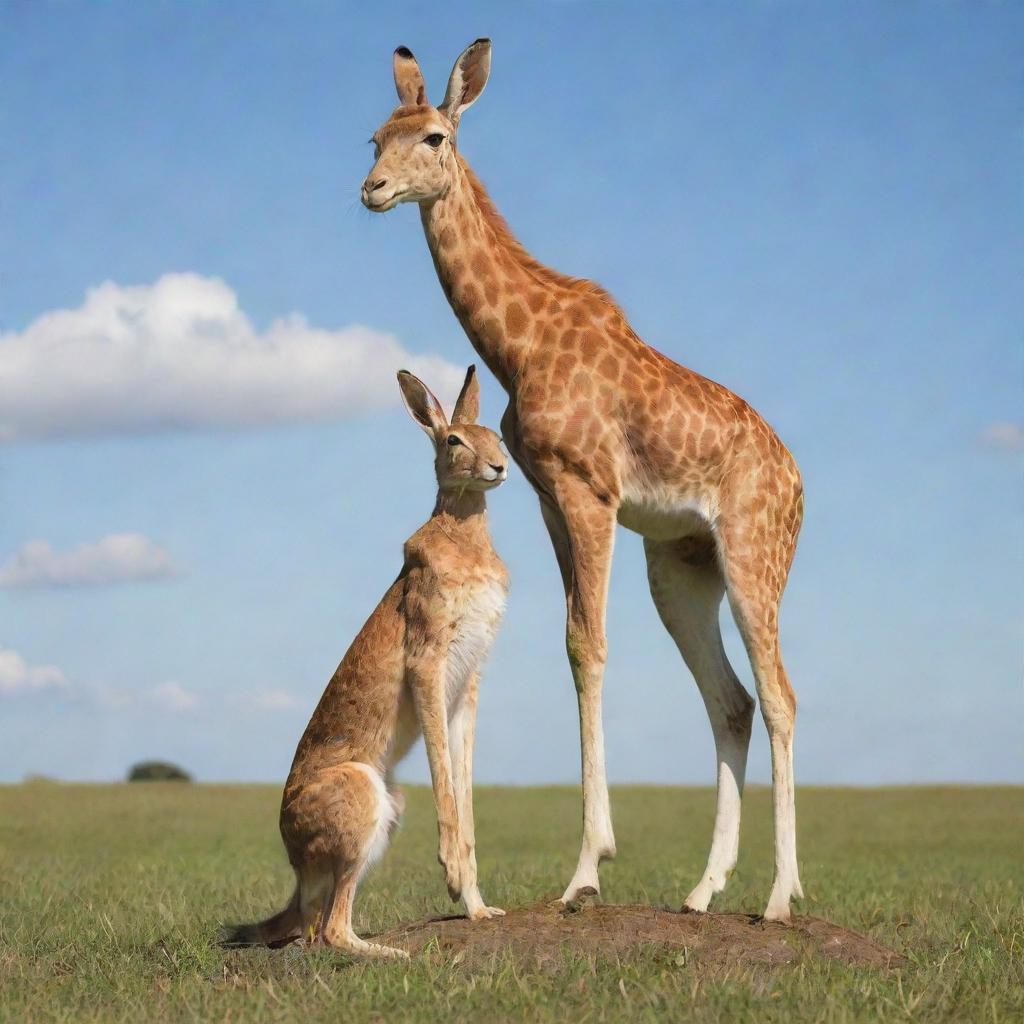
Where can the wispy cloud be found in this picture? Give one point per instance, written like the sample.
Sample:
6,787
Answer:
173,697
267,700
1003,436
181,354
116,558
17,676
169,697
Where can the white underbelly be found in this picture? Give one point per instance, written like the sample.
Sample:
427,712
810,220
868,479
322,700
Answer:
474,635
665,520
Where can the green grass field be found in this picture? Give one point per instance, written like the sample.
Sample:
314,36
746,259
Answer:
111,896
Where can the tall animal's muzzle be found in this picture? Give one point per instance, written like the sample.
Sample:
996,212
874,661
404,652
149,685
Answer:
378,195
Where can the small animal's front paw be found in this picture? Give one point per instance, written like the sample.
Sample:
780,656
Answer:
485,913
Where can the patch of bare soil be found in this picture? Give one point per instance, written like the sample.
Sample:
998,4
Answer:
544,932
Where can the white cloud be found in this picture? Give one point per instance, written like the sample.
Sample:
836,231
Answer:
1003,436
173,697
170,696
110,698
268,700
116,558
180,354
17,676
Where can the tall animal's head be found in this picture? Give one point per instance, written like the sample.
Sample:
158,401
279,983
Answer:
467,456
414,149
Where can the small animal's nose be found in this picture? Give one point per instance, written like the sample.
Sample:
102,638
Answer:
498,467
374,186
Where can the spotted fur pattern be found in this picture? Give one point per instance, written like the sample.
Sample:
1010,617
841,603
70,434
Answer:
609,430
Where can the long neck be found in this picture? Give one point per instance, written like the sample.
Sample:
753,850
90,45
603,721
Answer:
495,287
464,507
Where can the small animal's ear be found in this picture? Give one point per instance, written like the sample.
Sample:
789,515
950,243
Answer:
412,91
467,408
469,76
423,407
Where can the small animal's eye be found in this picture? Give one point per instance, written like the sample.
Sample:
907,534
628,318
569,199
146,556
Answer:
453,441
434,140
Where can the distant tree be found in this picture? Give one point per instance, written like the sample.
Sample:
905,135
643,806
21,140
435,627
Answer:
157,771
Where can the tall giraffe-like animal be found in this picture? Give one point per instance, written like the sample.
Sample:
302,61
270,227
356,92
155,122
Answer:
608,430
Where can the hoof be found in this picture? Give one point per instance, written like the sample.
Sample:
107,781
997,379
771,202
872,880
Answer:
588,896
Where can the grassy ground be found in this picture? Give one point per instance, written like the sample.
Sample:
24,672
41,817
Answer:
110,897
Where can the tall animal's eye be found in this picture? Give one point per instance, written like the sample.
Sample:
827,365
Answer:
434,140
453,441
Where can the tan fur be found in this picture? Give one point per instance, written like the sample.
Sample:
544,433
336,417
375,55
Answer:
609,431
413,667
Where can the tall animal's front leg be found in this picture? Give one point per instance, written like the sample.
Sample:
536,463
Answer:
583,532
426,678
462,731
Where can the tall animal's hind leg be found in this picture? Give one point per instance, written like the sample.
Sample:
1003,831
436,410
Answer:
755,574
687,587
586,546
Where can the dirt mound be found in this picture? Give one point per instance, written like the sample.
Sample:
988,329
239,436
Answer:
544,932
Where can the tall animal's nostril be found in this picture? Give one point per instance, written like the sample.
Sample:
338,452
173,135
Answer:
378,184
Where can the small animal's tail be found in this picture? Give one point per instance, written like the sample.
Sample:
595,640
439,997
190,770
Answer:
278,930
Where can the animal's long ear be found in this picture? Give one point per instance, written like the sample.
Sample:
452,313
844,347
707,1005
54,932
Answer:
467,408
412,91
423,407
469,76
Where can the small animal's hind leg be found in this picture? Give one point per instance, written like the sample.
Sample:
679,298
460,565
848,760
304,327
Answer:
316,884
687,588
337,931
407,731
355,816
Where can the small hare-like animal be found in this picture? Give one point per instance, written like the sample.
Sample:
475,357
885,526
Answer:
413,667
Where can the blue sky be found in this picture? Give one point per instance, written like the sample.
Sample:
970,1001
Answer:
818,205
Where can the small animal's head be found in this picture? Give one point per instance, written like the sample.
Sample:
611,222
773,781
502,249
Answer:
414,149
467,456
